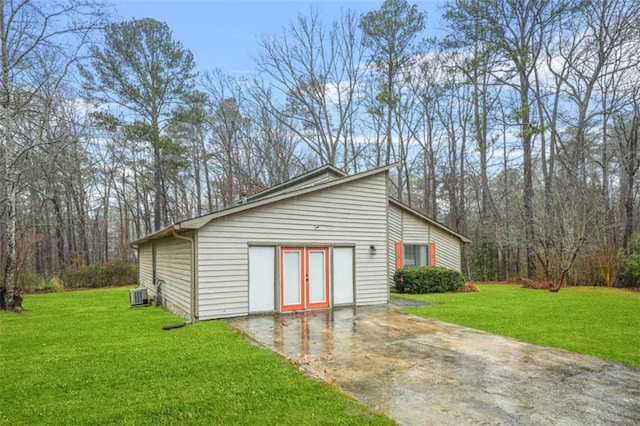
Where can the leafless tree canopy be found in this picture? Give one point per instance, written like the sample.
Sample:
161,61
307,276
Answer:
518,127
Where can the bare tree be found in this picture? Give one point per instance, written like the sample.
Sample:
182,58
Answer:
30,30
599,44
574,219
317,70
276,144
391,34
189,125
229,144
516,31
627,128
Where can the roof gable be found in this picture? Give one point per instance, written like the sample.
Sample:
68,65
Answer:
198,222
428,219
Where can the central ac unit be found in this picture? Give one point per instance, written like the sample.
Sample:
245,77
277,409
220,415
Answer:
138,297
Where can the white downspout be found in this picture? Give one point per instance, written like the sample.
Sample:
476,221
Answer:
192,316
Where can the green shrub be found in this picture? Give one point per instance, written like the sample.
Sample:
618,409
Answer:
427,279
53,284
103,275
630,265
31,282
122,272
89,276
86,276
630,274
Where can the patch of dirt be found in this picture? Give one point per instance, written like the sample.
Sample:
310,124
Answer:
403,303
37,291
468,287
536,285
70,289
98,288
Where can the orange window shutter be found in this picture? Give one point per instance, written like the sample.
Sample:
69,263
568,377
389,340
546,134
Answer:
432,254
399,256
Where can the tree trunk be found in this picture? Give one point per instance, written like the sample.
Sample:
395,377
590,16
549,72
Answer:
11,197
631,168
198,180
205,163
59,234
78,200
527,196
106,221
157,187
6,115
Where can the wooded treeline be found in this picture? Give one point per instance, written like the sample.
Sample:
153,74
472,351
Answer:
517,128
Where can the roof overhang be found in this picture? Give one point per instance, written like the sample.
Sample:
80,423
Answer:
163,233
428,219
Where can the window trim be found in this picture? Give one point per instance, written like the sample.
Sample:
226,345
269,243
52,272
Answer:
401,250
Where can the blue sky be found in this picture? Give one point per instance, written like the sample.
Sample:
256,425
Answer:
222,34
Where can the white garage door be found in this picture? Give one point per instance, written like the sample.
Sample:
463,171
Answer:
261,279
343,275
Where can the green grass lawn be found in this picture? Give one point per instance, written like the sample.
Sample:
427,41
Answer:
87,358
590,320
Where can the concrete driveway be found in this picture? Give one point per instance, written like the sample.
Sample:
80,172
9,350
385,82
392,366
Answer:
426,372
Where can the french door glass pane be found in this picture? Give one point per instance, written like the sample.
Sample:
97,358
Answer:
316,277
291,289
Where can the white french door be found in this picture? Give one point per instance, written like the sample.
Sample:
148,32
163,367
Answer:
304,278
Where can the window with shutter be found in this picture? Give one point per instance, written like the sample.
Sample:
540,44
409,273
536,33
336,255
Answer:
415,255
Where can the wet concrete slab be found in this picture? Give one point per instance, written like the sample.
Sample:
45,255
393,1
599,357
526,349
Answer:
426,372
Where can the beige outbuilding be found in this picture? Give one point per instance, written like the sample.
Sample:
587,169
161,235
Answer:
319,240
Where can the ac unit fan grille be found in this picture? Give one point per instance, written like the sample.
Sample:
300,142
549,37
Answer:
138,297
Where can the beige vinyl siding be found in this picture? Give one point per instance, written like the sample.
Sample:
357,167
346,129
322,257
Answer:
145,267
415,230
448,249
395,235
349,213
173,266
